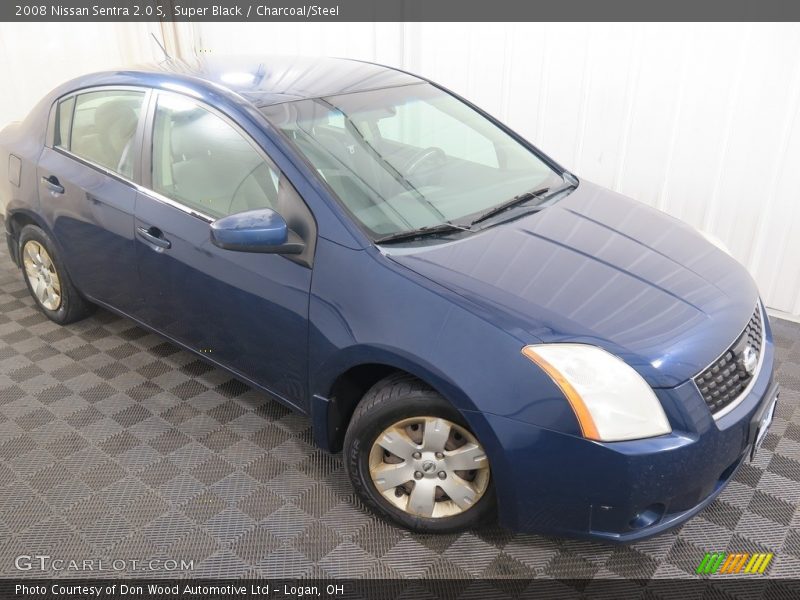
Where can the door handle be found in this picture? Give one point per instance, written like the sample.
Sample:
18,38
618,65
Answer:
53,184
154,236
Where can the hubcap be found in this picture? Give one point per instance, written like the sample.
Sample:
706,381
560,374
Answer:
429,467
42,275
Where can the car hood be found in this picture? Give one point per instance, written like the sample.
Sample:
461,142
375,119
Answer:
600,268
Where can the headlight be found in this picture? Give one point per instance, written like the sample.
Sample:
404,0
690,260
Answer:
611,401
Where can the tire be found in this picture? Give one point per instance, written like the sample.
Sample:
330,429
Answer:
403,401
67,306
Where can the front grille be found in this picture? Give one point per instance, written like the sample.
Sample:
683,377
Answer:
726,378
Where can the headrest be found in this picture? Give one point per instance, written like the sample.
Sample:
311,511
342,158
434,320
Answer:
116,115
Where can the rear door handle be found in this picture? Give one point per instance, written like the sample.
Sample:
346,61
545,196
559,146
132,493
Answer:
154,236
53,184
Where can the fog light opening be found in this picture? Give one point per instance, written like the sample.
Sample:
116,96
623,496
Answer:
726,474
649,516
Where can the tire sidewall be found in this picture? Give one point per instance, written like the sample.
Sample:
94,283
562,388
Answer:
358,444
32,232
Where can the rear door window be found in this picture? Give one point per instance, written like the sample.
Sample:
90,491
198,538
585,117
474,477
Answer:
104,128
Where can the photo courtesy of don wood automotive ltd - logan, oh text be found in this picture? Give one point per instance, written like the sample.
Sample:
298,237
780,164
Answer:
399,299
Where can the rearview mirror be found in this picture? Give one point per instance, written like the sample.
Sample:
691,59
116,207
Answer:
260,230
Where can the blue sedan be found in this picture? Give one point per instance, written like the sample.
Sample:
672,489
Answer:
479,331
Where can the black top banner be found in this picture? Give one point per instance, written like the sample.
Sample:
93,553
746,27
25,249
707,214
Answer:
400,10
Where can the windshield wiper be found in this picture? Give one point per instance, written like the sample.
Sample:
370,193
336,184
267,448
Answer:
521,199
449,226
421,232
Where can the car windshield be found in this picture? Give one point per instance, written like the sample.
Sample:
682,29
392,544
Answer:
410,157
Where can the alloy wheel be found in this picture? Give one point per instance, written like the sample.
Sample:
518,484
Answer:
429,467
42,274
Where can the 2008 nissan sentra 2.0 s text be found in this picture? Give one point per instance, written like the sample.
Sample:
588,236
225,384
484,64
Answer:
480,331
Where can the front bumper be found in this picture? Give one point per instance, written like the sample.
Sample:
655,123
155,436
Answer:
551,482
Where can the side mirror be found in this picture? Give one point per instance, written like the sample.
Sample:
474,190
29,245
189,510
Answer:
260,230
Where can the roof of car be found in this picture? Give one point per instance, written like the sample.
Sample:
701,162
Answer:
267,80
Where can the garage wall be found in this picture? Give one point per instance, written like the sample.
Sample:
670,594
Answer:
699,120
36,57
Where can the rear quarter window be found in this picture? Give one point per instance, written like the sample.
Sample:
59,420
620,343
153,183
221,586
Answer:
63,123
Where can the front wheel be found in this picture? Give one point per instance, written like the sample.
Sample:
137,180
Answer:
412,459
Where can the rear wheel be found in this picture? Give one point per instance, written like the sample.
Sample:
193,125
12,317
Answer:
412,459
47,280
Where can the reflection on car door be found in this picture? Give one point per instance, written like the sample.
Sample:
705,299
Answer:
86,190
246,311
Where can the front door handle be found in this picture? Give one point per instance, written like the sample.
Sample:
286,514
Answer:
53,184
154,236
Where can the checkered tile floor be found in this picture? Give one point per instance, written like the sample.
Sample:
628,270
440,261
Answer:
115,444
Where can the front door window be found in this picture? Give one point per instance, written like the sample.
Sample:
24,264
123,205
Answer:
205,164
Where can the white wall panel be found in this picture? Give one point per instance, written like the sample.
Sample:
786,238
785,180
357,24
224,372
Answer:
365,41
608,104
36,57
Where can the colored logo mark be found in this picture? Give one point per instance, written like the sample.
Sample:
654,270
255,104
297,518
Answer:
740,562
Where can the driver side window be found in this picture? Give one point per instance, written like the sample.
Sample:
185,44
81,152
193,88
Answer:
205,164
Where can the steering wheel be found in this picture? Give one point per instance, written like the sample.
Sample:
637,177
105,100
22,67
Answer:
435,156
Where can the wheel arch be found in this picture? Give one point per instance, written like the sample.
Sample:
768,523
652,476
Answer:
15,221
342,387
